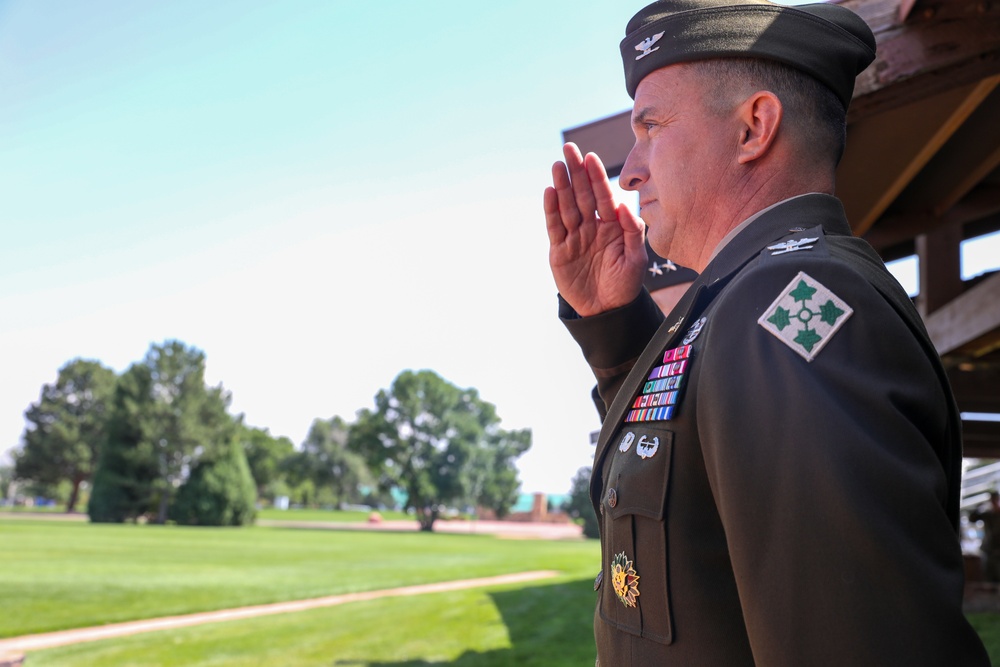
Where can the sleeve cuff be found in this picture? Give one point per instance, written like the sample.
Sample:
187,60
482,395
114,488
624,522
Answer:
614,337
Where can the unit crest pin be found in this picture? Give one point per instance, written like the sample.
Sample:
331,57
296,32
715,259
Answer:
694,331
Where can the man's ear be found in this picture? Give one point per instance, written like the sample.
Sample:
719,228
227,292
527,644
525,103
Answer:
760,115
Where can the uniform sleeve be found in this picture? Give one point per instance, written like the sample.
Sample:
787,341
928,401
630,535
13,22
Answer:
612,342
827,481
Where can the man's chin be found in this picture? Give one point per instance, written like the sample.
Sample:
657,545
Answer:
661,246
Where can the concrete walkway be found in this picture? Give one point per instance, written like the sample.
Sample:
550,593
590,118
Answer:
16,645
506,529
509,529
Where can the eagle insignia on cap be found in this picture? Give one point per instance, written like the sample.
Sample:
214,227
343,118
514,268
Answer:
645,44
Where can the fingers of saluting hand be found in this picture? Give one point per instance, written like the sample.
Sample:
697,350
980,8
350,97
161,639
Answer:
583,190
600,187
579,187
553,220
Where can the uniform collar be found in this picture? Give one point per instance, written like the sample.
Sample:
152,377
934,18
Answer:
734,232
773,223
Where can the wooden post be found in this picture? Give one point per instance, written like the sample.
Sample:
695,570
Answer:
940,268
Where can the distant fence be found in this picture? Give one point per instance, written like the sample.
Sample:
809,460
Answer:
977,484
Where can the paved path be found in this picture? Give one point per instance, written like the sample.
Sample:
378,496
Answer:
509,529
50,639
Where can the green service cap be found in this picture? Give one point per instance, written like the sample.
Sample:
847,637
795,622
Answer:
829,42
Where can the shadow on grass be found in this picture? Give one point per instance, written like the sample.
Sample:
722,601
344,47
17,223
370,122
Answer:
550,626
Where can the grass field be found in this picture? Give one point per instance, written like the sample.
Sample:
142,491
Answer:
269,514
57,575
541,625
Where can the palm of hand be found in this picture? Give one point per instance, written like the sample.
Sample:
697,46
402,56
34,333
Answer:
596,252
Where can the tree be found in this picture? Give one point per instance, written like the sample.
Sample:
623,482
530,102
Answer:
127,468
6,482
431,439
219,492
494,475
165,419
67,427
326,460
579,505
266,455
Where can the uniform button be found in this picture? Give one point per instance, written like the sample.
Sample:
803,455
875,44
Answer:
598,580
612,498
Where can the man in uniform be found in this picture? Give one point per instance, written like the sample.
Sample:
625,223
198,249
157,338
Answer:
777,476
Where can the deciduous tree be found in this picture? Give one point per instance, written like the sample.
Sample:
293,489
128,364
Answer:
266,455
495,480
431,439
67,427
326,460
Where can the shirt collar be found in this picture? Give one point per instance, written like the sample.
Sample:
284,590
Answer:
746,223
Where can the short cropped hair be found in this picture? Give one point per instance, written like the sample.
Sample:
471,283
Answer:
812,111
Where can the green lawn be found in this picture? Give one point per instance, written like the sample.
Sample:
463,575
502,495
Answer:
56,575
539,625
268,514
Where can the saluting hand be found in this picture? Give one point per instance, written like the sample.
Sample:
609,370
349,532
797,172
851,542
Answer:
596,248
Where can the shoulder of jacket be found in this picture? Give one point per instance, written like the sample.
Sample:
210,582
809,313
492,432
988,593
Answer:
812,240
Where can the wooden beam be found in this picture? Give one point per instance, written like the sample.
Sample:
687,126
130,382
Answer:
976,389
905,139
905,7
943,44
895,228
980,439
980,205
971,154
940,268
968,319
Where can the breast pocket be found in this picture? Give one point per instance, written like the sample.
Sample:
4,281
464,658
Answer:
635,596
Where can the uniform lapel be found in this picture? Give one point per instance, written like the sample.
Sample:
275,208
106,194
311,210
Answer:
674,326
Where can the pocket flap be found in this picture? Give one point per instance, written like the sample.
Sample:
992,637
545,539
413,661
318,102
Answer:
640,473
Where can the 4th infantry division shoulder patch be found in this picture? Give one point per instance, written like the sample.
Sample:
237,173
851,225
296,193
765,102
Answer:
805,316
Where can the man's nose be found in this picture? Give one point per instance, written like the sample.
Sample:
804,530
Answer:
634,171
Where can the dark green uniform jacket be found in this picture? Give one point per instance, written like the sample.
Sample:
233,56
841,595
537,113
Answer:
777,476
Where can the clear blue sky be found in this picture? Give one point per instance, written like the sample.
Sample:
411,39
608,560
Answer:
317,194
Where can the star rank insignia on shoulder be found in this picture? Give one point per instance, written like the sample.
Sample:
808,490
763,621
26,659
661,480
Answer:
657,269
805,316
